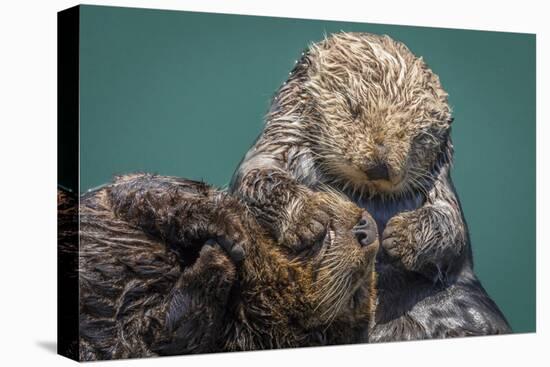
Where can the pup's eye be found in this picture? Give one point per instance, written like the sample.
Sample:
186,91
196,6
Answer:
313,246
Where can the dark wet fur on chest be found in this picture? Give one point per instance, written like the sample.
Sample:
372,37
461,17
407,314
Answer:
412,306
382,210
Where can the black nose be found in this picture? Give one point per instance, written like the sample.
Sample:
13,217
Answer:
365,230
378,171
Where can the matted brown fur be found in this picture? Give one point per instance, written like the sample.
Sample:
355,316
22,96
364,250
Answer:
149,285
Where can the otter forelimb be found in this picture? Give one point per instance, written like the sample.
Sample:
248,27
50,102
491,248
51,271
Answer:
180,212
430,238
292,212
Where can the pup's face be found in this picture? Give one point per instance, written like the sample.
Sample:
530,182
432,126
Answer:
342,266
382,115
331,280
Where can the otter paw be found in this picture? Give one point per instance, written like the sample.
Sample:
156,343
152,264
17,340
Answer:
213,269
398,240
234,250
309,225
231,235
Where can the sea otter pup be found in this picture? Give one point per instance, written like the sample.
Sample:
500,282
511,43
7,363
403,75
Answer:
363,115
172,266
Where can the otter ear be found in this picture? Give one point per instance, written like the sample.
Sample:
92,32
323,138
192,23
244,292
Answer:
301,64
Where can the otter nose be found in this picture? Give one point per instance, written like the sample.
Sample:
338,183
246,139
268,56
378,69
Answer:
378,171
365,231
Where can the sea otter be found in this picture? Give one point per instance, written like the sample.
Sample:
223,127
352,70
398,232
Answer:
361,114
172,266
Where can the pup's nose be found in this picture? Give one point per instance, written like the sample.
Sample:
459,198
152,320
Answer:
378,171
365,230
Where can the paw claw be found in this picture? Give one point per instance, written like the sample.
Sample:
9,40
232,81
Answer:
235,251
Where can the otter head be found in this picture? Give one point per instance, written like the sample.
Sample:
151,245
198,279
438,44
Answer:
341,266
376,117
306,289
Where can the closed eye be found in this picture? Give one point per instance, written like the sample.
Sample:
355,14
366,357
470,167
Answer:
320,245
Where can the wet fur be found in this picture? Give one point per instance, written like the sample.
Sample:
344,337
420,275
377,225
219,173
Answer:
150,286
351,100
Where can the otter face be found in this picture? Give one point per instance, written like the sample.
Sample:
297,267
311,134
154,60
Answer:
378,115
331,280
342,268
